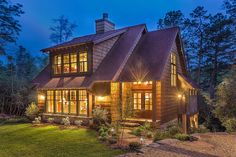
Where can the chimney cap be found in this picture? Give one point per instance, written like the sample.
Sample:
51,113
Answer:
105,15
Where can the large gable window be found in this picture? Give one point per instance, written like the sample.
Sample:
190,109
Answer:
173,70
70,63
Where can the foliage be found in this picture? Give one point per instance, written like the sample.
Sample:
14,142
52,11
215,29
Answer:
65,121
78,122
100,116
182,137
15,120
173,129
133,146
62,30
32,110
230,125
143,130
103,131
82,142
200,129
160,135
9,23
50,120
37,120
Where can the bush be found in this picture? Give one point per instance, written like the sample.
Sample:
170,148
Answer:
103,131
133,146
37,120
183,137
32,111
230,125
17,120
137,131
65,121
50,120
99,116
173,130
200,129
78,122
143,130
160,135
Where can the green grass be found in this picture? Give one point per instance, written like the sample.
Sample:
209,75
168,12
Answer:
23,140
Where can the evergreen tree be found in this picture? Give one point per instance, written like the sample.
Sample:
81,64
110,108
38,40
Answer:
9,24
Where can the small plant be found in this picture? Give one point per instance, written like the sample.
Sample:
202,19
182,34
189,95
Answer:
37,120
230,125
160,135
32,111
78,122
134,146
65,121
137,131
183,137
143,130
99,117
50,120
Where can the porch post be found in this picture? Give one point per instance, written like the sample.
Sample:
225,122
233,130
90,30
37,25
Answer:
154,102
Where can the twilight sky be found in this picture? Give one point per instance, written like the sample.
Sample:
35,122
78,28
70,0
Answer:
39,14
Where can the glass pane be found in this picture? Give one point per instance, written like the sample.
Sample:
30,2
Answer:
66,58
73,107
83,102
57,59
58,101
73,67
73,57
65,99
73,100
83,56
66,68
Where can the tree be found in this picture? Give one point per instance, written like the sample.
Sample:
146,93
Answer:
9,24
219,58
62,30
171,19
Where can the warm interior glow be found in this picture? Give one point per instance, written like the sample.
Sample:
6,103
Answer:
179,96
101,98
41,97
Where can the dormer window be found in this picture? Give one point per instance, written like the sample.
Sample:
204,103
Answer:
70,63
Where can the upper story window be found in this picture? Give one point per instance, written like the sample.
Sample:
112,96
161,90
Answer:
68,63
173,70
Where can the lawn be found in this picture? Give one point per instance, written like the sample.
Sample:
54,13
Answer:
23,140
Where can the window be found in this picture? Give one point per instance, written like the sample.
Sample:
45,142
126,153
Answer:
57,64
65,100
137,100
58,101
50,102
83,62
73,62
73,102
148,101
66,63
173,70
83,102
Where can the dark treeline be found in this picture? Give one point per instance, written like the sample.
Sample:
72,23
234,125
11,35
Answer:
210,47
17,68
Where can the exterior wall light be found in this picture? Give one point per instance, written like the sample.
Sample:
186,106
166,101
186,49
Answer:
101,98
41,97
179,96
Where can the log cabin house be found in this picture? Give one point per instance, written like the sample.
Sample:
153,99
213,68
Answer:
116,65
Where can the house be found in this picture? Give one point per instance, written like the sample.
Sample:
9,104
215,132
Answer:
132,64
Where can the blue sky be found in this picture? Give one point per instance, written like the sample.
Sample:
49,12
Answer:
39,14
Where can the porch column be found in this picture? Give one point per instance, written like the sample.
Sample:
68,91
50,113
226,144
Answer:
154,102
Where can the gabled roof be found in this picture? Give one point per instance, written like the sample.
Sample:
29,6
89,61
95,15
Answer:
148,60
93,38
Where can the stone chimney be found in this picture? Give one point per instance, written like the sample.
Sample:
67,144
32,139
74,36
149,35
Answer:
103,25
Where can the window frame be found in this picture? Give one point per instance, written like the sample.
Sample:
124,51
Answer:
173,70
143,100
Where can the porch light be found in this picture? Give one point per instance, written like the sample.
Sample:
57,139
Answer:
139,82
41,97
179,96
101,98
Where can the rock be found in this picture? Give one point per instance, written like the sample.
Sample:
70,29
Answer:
154,145
168,141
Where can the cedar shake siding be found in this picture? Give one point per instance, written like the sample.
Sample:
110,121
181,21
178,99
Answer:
100,51
123,64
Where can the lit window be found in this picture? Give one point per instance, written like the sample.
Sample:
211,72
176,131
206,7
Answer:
50,100
173,70
137,97
73,101
66,63
148,101
83,102
73,62
65,100
58,101
57,64
83,62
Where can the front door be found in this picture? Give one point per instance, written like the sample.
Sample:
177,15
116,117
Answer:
142,104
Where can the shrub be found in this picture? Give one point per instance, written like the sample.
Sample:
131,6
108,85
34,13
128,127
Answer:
17,120
143,130
173,130
50,120
99,116
182,137
200,129
78,122
37,120
137,131
230,125
133,146
65,121
32,111
160,135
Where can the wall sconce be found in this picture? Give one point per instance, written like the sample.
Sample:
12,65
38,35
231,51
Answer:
179,96
101,98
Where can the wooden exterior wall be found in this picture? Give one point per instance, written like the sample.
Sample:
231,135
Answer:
100,51
169,99
115,99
